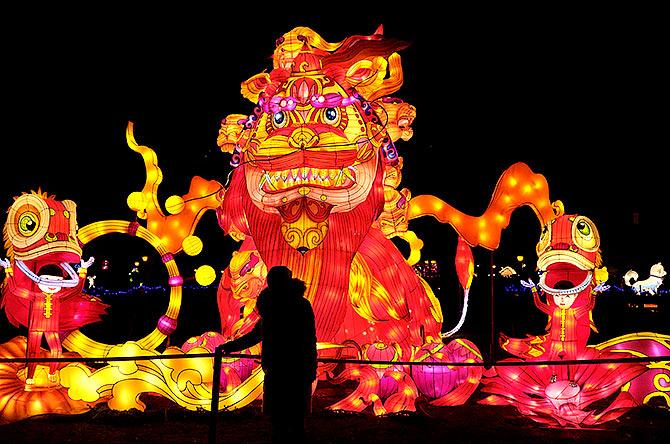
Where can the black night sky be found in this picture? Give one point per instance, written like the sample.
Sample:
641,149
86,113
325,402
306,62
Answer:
578,99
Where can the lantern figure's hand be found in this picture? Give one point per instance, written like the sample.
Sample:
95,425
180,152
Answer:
4,263
83,269
601,288
88,263
528,284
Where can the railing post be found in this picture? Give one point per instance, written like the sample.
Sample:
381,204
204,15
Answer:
492,340
216,386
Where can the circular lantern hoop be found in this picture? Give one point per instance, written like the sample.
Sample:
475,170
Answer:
87,347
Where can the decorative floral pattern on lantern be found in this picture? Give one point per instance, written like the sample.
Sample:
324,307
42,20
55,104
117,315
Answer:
17,403
187,382
234,370
654,384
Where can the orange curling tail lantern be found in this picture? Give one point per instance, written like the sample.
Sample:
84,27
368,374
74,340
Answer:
465,263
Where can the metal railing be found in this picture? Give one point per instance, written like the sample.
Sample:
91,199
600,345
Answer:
218,356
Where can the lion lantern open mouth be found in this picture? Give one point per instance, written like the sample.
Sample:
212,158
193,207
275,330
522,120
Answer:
567,255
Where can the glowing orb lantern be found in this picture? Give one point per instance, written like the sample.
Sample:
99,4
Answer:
205,275
379,351
174,204
192,245
436,381
137,201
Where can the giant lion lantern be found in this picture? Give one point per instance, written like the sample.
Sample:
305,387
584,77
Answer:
315,186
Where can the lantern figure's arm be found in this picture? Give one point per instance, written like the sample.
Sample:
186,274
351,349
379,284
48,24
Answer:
517,186
186,210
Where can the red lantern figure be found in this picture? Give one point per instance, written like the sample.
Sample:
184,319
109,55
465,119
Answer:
316,189
42,289
560,394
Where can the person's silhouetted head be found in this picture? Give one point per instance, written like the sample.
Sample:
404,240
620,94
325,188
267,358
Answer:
279,276
297,287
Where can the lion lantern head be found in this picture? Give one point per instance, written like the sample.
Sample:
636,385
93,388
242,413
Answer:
321,135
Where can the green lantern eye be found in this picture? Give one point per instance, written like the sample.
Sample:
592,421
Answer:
28,223
585,234
583,228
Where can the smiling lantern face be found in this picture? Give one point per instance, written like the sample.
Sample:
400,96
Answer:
51,289
565,301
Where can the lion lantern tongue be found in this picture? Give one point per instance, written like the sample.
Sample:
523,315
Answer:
304,223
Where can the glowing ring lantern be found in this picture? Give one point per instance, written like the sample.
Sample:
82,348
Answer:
87,347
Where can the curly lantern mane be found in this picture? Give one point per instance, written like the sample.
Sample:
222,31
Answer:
368,64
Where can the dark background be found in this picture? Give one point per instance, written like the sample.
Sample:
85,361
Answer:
579,97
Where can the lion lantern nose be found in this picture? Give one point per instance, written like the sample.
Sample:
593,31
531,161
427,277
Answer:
303,138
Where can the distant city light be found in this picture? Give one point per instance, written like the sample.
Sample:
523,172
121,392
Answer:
427,269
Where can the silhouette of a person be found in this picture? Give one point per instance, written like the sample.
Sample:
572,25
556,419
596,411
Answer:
288,357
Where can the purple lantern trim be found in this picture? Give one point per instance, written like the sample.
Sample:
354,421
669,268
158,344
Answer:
167,257
133,227
390,153
166,325
175,281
